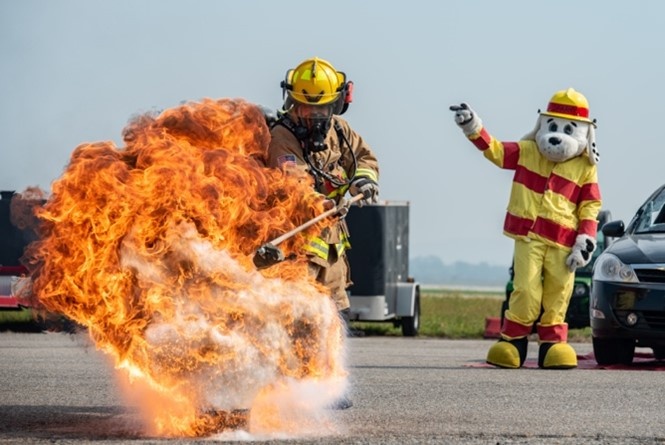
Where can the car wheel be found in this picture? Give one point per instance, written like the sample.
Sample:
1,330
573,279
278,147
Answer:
411,325
613,351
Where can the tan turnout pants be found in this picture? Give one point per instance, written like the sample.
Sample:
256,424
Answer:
334,275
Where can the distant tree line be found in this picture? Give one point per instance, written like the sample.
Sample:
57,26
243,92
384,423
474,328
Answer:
432,270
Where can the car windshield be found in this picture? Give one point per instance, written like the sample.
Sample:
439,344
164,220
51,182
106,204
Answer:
651,217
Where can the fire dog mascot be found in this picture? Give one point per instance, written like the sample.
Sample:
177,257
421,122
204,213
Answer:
551,215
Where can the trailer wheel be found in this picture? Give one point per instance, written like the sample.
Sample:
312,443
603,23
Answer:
411,325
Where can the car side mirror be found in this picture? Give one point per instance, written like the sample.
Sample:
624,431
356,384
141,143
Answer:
614,229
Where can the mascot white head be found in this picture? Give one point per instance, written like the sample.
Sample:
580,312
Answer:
565,131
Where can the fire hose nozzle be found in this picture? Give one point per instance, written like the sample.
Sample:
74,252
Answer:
267,255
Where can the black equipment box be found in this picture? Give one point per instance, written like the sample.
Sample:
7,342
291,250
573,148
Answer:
379,254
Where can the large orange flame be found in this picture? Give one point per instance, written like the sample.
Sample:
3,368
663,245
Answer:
150,248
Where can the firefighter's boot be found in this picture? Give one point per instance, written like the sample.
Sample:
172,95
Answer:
508,353
556,356
343,402
345,314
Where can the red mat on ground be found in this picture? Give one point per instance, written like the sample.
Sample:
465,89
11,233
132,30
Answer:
641,362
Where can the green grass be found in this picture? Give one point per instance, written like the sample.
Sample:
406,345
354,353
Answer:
18,316
455,314
19,321
449,314
28,320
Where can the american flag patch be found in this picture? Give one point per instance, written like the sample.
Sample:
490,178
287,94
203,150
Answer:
286,161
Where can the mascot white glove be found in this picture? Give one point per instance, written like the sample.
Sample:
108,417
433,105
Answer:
581,254
466,119
368,188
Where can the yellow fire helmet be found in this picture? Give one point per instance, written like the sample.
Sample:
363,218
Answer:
316,82
569,104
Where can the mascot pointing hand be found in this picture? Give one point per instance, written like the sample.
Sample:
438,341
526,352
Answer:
551,215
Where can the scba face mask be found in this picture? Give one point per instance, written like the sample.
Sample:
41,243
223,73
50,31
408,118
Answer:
315,121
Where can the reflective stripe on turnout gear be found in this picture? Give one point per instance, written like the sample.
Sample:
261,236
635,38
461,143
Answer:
332,192
366,173
343,244
317,246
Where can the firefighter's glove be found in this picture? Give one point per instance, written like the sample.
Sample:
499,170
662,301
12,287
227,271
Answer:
328,204
582,251
466,119
368,188
342,207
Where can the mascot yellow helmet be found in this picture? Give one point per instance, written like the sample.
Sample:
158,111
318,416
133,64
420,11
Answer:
569,104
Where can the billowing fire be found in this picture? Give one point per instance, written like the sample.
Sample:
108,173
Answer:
150,247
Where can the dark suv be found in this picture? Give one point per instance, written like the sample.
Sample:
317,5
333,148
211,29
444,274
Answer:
628,293
578,310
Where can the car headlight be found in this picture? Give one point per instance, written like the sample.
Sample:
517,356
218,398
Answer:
610,268
580,290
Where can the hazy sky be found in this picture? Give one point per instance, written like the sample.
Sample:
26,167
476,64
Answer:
75,71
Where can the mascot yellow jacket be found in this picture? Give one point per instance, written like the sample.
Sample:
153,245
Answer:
550,201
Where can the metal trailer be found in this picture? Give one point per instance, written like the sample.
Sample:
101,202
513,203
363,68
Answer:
12,245
382,290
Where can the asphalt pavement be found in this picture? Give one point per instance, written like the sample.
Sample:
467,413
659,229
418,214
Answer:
56,388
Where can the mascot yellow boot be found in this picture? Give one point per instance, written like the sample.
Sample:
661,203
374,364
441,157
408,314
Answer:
554,203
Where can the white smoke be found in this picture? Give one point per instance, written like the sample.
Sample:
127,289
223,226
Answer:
231,339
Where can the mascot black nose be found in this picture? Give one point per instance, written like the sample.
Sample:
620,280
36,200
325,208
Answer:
554,140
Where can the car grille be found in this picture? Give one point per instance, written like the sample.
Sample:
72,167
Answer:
655,319
650,275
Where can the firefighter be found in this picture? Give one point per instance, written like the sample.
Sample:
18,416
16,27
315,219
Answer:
310,136
551,215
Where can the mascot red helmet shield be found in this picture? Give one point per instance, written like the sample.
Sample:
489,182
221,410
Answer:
568,104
